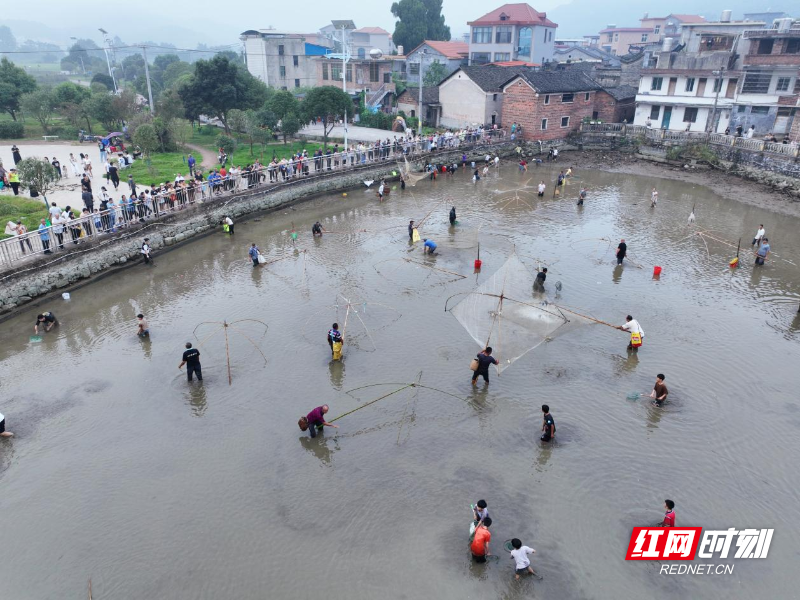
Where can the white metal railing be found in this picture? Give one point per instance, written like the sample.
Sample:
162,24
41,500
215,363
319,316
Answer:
157,202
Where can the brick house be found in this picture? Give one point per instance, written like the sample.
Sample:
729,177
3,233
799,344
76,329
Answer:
408,102
550,105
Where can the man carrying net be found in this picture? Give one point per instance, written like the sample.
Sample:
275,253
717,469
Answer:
483,360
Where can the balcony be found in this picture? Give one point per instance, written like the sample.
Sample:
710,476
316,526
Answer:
755,34
771,60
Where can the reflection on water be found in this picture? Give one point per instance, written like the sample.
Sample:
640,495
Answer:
104,435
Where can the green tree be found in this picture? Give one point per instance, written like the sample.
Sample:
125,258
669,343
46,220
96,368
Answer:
100,107
14,82
104,79
434,73
227,143
290,125
70,93
327,103
37,174
146,138
8,43
218,86
418,20
237,120
41,105
170,106
133,67
282,103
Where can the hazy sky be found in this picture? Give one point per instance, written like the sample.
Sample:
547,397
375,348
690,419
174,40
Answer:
189,22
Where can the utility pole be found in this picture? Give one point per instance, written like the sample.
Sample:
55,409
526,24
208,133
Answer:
149,88
717,84
421,68
345,58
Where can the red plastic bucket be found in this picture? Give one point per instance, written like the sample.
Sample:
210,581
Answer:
478,263
656,271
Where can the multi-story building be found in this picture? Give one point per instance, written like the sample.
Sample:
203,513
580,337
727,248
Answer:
360,41
669,26
768,95
473,95
618,40
283,60
450,54
513,32
373,75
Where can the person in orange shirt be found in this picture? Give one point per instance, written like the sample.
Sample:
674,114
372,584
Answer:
480,543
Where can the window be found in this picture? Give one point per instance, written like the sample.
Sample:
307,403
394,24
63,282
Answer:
283,87
717,85
481,58
325,71
525,37
501,56
413,68
756,82
336,71
283,71
657,29
616,37
280,50
565,121
547,99
295,60
544,124
387,78
644,37
610,37
481,35
349,72
759,110
502,35
656,83
792,47
494,97
374,72
655,111
689,115
566,98
296,83
362,53
783,84
586,97
690,84
741,109
765,46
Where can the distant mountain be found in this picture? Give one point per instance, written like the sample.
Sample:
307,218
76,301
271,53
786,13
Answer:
585,17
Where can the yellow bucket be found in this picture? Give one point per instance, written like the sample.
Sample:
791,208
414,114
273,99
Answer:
337,350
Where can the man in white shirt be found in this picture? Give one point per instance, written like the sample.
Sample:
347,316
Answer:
759,236
637,333
54,211
521,560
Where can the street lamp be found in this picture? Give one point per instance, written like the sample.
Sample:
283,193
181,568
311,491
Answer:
345,26
82,65
108,60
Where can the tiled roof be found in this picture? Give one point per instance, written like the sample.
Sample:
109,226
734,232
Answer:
430,94
514,63
516,14
374,30
622,92
452,50
555,82
489,78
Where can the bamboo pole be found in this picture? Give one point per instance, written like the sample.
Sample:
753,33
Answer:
227,353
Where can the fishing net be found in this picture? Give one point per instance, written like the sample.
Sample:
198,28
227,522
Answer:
358,320
414,273
410,177
457,239
504,314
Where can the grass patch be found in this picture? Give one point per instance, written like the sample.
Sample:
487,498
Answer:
206,136
163,167
16,208
34,130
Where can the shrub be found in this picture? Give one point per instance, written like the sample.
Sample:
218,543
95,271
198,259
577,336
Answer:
226,143
11,130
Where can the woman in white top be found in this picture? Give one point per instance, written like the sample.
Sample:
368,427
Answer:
73,163
58,228
87,165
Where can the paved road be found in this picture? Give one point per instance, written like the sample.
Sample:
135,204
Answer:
354,133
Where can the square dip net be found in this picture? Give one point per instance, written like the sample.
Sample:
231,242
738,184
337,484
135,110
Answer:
505,313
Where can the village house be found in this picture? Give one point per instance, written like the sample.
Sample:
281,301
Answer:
618,40
551,104
408,103
669,26
361,40
473,95
513,32
768,94
283,60
450,54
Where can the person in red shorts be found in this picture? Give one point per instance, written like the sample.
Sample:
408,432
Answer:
669,516
480,543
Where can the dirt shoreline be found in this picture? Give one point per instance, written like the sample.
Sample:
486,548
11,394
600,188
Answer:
722,183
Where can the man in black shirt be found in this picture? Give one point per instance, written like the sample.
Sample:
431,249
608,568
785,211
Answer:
622,250
548,425
411,230
191,358
484,359
47,320
538,285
